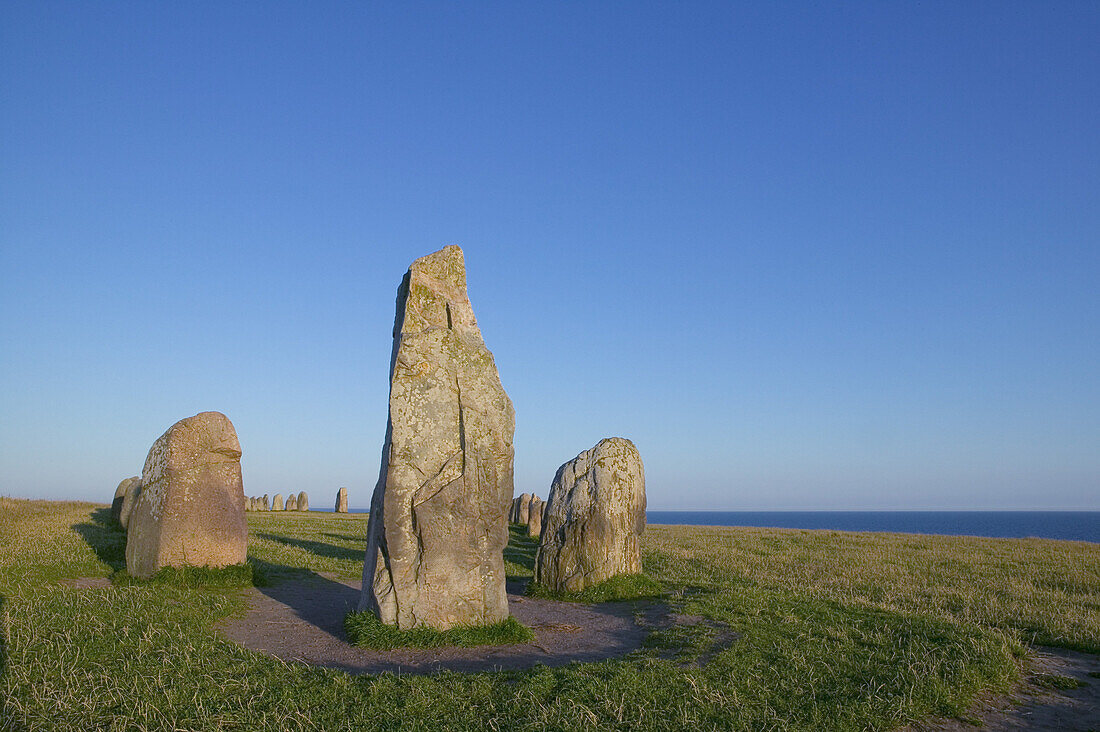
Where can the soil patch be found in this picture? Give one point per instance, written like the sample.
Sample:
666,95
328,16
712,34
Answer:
1034,705
303,620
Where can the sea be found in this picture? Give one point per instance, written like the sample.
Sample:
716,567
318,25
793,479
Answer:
1065,525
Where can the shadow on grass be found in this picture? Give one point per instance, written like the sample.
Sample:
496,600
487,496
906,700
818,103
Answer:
319,548
521,547
315,599
105,536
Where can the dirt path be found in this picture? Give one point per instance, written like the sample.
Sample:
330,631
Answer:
303,620
1035,705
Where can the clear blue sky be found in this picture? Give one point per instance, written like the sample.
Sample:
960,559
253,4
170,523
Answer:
805,255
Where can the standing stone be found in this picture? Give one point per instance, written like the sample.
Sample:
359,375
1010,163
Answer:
120,493
120,497
191,508
303,501
249,504
438,518
513,513
277,502
342,500
292,502
524,508
266,504
128,502
534,518
594,519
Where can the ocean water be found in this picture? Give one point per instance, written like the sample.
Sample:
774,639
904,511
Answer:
1069,525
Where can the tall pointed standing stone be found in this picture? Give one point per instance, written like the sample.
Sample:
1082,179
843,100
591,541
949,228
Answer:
342,500
438,518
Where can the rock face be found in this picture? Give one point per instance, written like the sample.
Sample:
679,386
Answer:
292,502
191,507
594,518
303,501
438,517
342,500
277,502
534,518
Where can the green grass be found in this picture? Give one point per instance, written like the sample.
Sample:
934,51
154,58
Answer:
367,631
1057,682
237,575
831,631
613,589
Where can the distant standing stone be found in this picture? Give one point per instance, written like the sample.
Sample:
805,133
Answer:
534,518
594,518
129,497
190,511
303,501
277,502
524,508
438,519
265,505
342,500
120,492
292,502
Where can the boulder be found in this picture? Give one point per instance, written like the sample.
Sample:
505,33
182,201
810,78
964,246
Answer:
190,511
439,512
303,501
292,502
342,500
277,502
594,518
534,518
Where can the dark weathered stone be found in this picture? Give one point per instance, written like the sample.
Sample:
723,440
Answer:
342,500
438,519
594,518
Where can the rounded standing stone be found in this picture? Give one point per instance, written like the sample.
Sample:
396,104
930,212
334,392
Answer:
190,511
292,502
303,501
594,518
277,502
534,518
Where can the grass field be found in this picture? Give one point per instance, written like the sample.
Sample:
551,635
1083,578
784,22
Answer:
835,631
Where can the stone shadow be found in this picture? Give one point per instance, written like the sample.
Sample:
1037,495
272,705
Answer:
105,536
319,548
302,619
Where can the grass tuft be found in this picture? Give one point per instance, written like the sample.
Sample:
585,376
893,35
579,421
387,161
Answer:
1057,682
367,631
619,588
237,575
